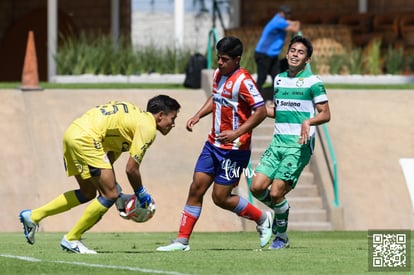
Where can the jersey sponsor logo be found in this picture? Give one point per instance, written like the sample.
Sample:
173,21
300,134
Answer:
252,88
236,122
143,149
221,100
300,93
297,93
288,103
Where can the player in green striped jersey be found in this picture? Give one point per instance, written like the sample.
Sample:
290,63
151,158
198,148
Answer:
299,104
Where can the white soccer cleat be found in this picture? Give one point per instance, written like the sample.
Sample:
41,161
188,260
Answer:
265,229
29,227
75,246
175,246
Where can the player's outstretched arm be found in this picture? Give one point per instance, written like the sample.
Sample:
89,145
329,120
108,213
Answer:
206,109
133,173
134,178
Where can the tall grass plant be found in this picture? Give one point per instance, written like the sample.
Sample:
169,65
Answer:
98,54
394,60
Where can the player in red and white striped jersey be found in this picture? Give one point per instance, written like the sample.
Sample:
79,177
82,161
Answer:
237,107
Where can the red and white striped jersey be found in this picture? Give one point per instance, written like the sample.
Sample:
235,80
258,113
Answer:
234,99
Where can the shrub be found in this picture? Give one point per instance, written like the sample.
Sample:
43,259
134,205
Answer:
372,58
98,54
394,60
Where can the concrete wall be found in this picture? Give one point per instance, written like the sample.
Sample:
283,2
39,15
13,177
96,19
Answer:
33,124
370,130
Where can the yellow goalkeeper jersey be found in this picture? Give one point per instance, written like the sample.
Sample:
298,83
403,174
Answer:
119,127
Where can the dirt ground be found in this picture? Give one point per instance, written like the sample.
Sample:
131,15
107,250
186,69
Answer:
370,130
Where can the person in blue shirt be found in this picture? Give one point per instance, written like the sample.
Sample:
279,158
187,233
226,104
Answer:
271,44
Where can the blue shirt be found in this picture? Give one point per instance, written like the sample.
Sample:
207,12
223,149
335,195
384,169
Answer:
273,36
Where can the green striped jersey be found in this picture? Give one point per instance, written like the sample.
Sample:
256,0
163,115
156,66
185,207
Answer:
295,99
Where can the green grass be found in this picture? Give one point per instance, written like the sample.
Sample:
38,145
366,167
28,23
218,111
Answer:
211,253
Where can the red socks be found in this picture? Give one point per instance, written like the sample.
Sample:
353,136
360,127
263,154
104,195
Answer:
186,225
251,212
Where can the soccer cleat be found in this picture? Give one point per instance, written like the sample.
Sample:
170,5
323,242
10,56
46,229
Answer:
29,227
265,230
175,246
279,243
75,246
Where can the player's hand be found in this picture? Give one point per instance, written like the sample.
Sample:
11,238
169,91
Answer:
304,133
143,197
226,136
191,122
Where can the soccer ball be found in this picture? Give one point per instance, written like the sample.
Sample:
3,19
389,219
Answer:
132,209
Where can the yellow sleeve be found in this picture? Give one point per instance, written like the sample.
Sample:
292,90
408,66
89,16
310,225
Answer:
144,136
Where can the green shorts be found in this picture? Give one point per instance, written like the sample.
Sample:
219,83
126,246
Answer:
284,163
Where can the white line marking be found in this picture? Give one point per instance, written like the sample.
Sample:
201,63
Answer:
23,258
29,259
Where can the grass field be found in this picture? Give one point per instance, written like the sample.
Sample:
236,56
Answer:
211,253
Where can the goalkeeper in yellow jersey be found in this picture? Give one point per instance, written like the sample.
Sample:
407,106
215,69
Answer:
91,145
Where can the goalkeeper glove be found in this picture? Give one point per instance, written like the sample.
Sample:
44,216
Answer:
143,197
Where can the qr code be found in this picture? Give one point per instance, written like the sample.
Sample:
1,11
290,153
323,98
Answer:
389,250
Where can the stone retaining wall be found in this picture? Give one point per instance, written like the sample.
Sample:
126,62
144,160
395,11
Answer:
370,130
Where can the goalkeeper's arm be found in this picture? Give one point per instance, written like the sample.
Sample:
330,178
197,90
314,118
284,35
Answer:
134,177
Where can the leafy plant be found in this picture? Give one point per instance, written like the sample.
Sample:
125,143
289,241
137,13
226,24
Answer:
408,63
314,66
394,60
372,58
337,63
355,61
98,54
248,61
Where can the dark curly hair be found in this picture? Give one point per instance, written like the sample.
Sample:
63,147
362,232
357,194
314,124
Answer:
306,42
162,103
231,46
